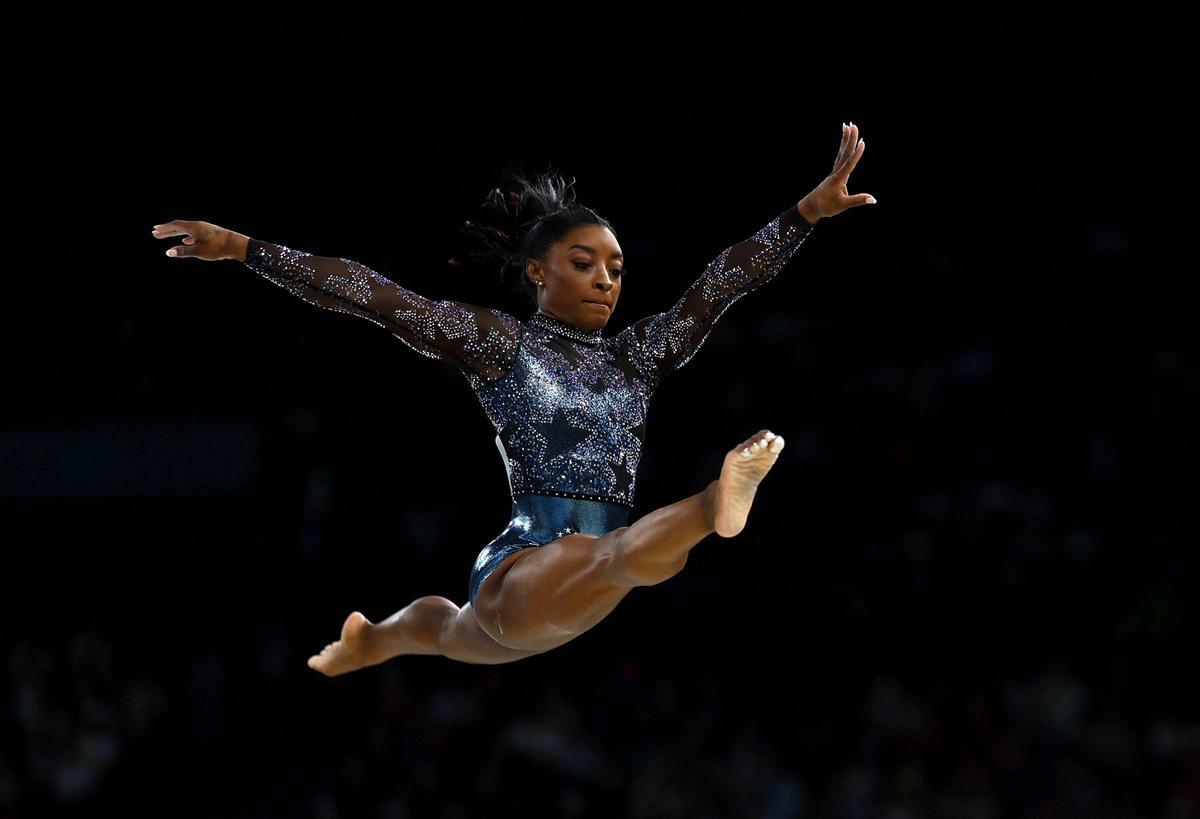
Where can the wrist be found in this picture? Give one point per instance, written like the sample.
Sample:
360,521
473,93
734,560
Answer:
808,211
237,244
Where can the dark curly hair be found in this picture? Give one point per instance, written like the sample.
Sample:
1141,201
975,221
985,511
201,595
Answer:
524,222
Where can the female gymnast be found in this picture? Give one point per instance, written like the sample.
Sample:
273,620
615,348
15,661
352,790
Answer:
569,407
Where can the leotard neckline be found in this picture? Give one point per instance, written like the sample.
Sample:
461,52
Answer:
562,328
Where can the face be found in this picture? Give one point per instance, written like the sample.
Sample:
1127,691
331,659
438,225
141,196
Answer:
581,272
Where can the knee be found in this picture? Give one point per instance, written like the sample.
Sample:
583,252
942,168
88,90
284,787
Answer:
665,571
632,569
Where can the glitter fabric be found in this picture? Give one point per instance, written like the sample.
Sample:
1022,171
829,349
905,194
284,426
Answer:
539,519
568,404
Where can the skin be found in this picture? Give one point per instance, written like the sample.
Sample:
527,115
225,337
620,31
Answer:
540,598
584,266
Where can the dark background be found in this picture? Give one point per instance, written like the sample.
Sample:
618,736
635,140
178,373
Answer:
968,588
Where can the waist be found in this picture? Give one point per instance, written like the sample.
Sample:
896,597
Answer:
553,512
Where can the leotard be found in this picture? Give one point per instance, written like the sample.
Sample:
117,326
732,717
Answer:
568,404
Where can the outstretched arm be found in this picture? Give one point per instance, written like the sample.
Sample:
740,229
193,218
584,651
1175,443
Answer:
476,339
664,342
480,341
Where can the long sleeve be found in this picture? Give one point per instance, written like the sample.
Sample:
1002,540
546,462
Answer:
476,339
664,342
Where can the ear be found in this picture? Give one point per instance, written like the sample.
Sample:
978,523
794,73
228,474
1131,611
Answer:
532,273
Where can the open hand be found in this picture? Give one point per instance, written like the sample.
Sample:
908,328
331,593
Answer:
831,197
201,240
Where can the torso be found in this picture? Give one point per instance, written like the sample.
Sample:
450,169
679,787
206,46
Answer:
570,414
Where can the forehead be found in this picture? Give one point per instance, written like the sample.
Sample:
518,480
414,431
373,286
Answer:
597,237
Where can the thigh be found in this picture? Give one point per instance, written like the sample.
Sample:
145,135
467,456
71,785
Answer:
546,595
465,639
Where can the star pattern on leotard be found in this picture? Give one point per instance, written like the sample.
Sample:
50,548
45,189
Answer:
561,435
568,404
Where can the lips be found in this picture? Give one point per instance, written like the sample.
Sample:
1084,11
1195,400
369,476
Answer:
601,303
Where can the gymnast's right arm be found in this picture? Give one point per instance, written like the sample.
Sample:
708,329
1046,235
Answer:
476,339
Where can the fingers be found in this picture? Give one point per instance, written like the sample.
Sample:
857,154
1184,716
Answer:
848,156
176,227
172,228
188,248
858,150
837,162
852,148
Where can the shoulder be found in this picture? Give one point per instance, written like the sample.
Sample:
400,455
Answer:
486,317
507,319
629,350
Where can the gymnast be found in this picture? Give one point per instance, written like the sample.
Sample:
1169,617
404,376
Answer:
568,404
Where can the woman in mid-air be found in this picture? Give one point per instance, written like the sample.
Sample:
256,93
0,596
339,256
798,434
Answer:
569,407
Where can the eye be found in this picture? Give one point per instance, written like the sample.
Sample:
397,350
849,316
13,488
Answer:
616,271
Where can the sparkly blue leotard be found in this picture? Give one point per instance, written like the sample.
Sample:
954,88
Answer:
568,404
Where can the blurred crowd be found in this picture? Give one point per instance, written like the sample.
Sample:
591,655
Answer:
1006,645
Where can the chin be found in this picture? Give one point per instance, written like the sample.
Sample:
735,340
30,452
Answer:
595,319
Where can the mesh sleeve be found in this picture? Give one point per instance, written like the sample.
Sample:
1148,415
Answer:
664,342
476,339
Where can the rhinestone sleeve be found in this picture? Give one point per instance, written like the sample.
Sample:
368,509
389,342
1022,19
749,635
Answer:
478,340
664,342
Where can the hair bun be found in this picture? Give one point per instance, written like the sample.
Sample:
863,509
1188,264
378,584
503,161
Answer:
511,215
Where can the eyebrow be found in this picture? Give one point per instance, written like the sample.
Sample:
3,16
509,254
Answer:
593,250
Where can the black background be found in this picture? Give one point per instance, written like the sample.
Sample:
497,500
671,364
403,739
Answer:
968,588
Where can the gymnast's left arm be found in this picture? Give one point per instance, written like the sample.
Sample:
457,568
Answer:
664,342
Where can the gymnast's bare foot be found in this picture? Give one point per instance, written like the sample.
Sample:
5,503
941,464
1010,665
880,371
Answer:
352,652
745,466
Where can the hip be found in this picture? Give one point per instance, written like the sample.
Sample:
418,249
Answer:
537,520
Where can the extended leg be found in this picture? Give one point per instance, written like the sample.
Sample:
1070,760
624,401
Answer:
428,625
553,593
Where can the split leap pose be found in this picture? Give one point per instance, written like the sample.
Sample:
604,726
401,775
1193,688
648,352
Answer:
569,407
